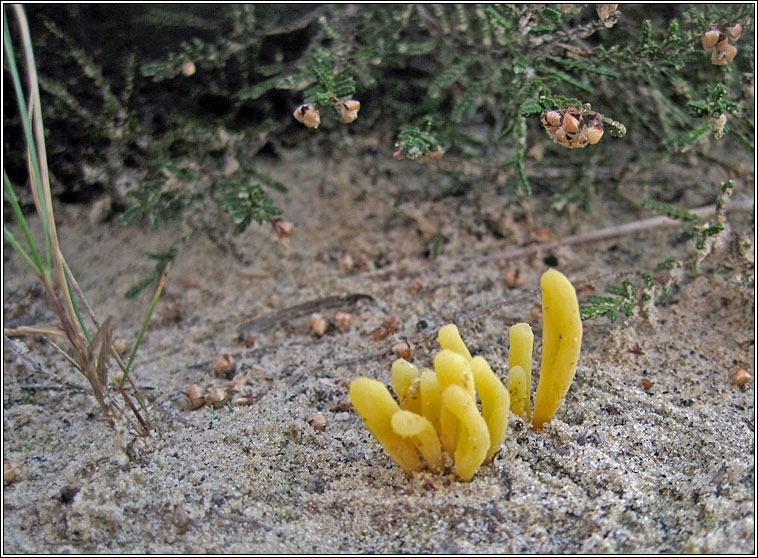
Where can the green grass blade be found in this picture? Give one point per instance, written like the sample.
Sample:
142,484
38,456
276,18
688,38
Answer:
36,174
11,195
78,315
16,246
146,322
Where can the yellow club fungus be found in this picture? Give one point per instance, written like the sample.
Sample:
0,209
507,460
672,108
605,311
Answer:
405,386
520,354
518,391
473,439
438,412
452,369
561,343
376,406
495,402
431,397
449,338
421,432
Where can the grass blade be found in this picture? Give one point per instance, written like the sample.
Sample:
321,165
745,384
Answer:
35,174
11,195
146,321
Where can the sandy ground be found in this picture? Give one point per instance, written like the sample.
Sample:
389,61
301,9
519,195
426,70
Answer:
621,468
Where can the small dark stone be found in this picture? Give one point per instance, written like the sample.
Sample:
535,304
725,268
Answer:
218,499
69,492
316,485
551,260
612,410
421,325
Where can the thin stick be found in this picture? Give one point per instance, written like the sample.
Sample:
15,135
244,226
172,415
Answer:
240,519
603,234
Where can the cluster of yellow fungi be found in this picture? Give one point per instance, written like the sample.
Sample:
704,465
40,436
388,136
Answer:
436,416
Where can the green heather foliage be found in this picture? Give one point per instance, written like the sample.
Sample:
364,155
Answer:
471,79
185,112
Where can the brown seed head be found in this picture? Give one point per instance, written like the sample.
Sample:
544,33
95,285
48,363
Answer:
195,396
710,38
217,396
513,278
579,140
553,117
570,123
403,349
717,124
121,345
238,382
734,32
283,229
595,131
535,315
345,262
188,68
560,137
308,115
242,400
604,11
739,376
224,365
319,324
11,470
723,53
318,421
349,109
343,320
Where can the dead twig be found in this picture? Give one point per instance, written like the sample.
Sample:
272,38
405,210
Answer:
244,520
299,310
604,234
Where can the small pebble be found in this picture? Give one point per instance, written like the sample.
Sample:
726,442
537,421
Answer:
69,492
344,404
180,518
316,484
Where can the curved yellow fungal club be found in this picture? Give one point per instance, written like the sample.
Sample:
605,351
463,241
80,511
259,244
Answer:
422,434
376,407
431,397
561,343
495,400
517,390
438,410
452,369
520,354
450,338
474,439
405,385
